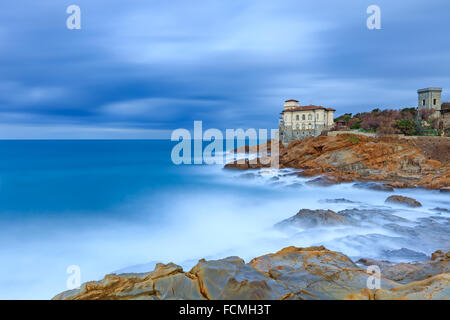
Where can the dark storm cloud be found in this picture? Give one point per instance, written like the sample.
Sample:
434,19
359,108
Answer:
141,68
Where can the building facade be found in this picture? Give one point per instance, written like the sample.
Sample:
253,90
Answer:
299,122
445,117
430,98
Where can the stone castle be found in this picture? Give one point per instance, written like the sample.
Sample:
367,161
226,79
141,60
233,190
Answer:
298,122
430,99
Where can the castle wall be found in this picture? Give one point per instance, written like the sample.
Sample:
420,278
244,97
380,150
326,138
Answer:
429,99
296,125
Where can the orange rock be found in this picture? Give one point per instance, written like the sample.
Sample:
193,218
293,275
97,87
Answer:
399,161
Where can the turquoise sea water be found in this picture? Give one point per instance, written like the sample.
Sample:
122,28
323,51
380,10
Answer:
110,206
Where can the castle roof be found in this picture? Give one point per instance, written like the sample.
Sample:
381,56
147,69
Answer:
429,89
310,107
445,107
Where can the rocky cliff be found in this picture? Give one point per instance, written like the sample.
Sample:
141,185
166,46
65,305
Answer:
400,162
291,273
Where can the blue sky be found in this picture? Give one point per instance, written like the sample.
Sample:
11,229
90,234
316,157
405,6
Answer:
141,68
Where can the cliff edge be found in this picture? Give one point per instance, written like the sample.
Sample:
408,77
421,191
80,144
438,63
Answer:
402,162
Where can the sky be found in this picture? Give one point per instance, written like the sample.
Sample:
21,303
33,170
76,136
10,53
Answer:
140,69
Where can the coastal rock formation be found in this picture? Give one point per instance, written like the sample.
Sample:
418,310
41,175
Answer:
306,218
291,273
434,288
374,186
410,202
396,160
410,272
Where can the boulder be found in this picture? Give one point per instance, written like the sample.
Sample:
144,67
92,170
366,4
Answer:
405,254
232,279
341,200
410,202
434,288
374,186
314,273
323,181
416,271
438,209
306,218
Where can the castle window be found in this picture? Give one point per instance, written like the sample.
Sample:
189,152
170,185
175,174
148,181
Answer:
309,117
303,117
296,117
423,102
434,102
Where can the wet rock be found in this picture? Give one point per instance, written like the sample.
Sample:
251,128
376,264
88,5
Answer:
372,215
440,255
383,264
306,218
295,185
246,164
315,273
341,200
434,288
410,232
416,271
405,254
249,176
291,273
231,278
410,202
323,181
441,209
445,190
374,186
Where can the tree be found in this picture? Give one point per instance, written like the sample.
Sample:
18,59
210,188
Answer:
406,126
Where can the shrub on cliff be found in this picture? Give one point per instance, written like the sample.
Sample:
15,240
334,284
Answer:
406,126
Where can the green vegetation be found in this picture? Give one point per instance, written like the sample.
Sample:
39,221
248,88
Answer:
353,139
406,126
407,121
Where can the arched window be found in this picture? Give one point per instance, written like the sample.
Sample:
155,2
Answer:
297,125
296,117
303,117
303,126
309,116
309,126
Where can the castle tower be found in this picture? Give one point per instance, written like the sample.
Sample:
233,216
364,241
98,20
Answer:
291,104
429,98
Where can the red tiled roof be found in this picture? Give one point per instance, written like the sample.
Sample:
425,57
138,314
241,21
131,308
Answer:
310,107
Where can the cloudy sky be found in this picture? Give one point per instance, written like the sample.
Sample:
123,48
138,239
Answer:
141,68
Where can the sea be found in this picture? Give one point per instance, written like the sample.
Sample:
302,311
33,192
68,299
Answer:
113,206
